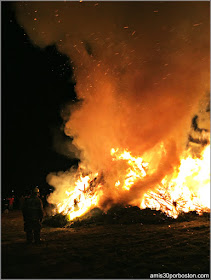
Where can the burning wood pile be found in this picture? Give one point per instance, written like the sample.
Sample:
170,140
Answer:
172,208
122,215
184,191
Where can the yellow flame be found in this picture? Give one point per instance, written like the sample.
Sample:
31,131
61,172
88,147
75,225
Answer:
187,189
80,199
135,171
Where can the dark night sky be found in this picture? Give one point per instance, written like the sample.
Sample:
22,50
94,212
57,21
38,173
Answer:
35,86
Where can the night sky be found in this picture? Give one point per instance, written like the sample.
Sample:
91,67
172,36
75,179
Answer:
35,86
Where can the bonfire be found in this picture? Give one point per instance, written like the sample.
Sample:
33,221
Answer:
186,189
141,73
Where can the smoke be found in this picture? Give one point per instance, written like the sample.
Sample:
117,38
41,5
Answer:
62,145
141,69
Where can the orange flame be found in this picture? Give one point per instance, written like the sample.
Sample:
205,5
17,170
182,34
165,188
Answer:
136,168
79,200
187,189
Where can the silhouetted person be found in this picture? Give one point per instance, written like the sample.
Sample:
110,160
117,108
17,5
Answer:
33,215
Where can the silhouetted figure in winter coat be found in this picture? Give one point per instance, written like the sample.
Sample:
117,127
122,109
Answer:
33,215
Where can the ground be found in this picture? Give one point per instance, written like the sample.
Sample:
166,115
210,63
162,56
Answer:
105,251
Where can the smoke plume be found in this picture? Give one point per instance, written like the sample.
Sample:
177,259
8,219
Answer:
140,68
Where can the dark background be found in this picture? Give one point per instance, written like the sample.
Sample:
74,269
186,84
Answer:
35,86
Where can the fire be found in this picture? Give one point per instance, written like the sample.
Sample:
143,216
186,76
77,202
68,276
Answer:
79,200
135,171
186,189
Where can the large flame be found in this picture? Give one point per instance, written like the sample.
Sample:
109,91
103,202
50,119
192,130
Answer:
79,198
138,90
186,189
135,171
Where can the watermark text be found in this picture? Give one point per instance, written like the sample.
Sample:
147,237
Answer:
167,275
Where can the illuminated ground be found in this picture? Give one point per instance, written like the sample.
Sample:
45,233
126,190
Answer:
105,251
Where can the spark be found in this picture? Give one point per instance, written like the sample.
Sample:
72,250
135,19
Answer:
197,24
